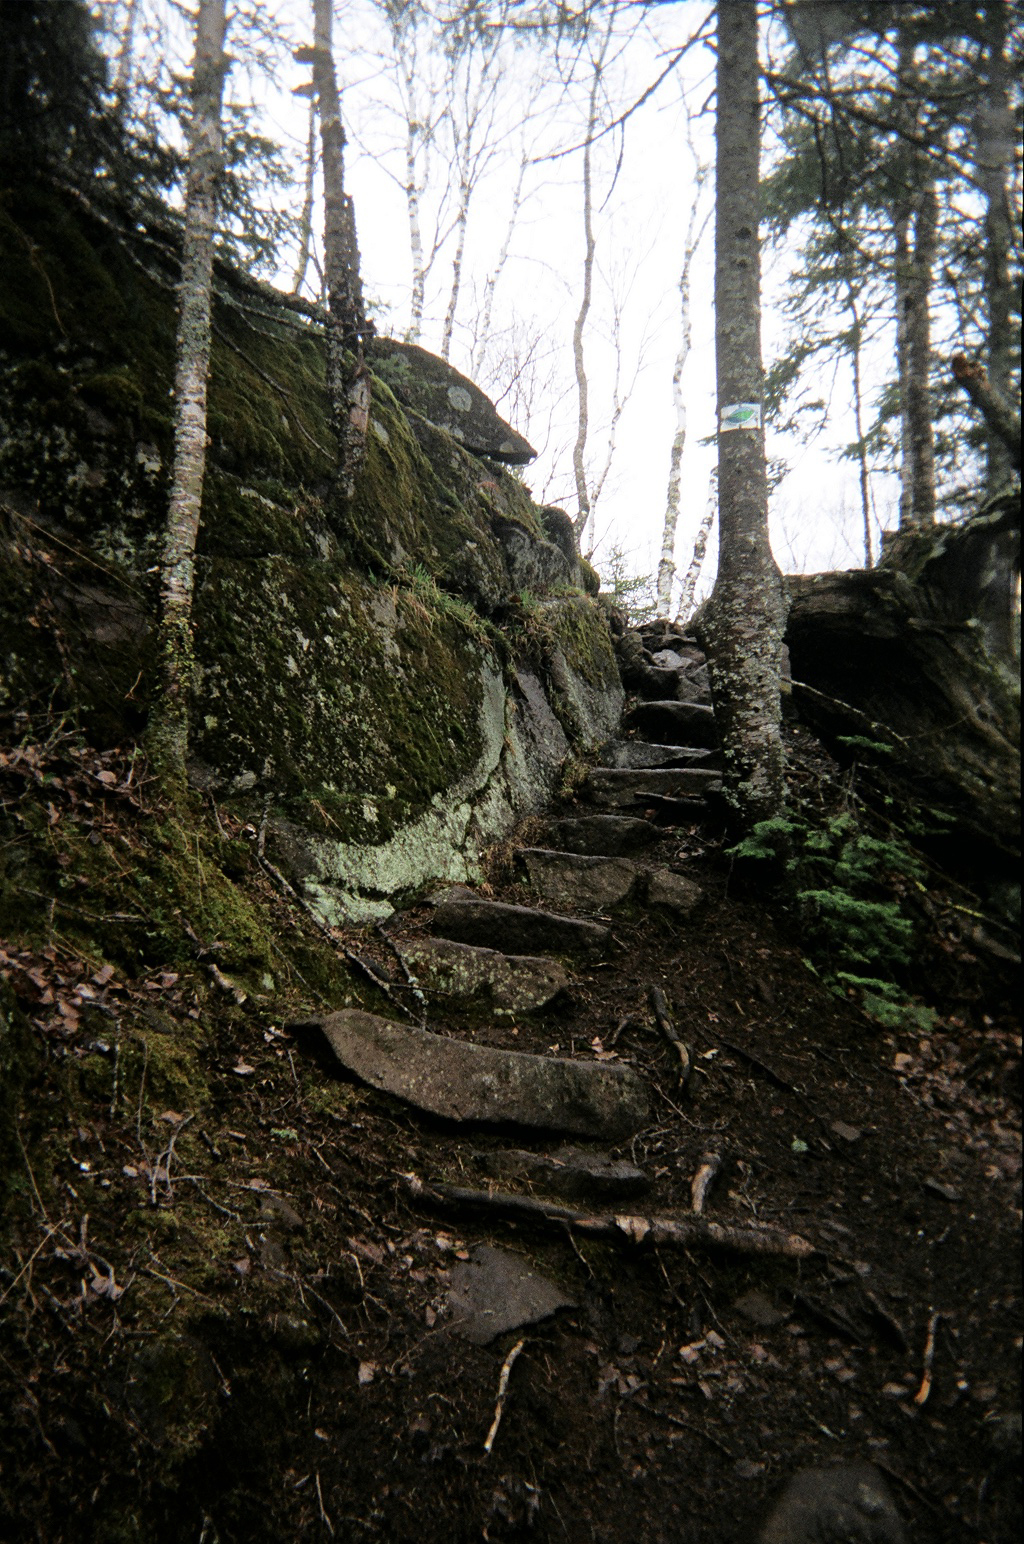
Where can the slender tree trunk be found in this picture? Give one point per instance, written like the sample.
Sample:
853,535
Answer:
578,331
306,217
413,130
484,329
666,565
348,382
167,737
745,618
919,358
994,156
700,547
856,342
461,221
902,289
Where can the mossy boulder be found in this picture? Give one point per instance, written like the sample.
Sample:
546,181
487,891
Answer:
390,681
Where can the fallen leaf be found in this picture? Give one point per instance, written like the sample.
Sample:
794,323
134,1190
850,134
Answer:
242,1266
243,1069
103,975
901,1061
635,1228
108,779
172,1117
367,1372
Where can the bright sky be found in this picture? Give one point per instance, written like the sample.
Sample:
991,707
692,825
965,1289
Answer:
642,202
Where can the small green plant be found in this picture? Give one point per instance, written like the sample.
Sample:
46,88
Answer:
434,601
848,886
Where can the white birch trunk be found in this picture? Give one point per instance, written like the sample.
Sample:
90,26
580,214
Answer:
666,565
700,547
168,734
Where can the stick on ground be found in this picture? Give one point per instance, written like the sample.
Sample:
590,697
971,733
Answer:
683,1232
499,1408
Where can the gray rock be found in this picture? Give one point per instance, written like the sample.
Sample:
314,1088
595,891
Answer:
668,659
621,788
694,687
465,1082
674,723
496,1290
569,1173
516,929
672,891
639,754
558,528
837,1504
429,386
533,564
515,983
601,835
655,683
573,879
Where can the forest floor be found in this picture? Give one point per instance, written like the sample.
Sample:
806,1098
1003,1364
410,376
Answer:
224,1313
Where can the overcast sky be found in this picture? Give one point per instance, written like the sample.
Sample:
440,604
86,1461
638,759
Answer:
643,190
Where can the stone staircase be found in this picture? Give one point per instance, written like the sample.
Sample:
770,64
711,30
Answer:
607,852
495,970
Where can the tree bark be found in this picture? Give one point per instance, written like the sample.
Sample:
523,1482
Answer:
348,381
666,566
919,358
306,217
743,622
994,150
167,737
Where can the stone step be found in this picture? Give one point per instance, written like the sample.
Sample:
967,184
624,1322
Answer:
622,788
516,929
586,883
514,983
610,836
591,883
674,723
637,754
462,1081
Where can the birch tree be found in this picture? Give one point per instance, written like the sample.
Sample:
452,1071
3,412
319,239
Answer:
743,622
169,726
694,232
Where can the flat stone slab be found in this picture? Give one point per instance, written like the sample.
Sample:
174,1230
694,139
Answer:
466,1082
610,836
674,723
496,1290
835,1504
621,788
516,929
640,754
515,983
576,879
569,1173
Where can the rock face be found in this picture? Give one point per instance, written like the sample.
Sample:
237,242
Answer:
623,789
585,883
466,1082
387,729
838,1504
431,387
600,835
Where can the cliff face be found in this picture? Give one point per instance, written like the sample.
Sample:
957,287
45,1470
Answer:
388,688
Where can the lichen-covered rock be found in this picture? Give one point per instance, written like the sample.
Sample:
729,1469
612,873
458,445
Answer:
365,678
431,387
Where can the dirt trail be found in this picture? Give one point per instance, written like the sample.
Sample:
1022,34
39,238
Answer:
273,1354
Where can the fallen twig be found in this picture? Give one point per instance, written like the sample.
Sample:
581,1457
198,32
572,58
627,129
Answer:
659,1003
680,1231
499,1408
410,980
218,978
703,1180
928,1360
